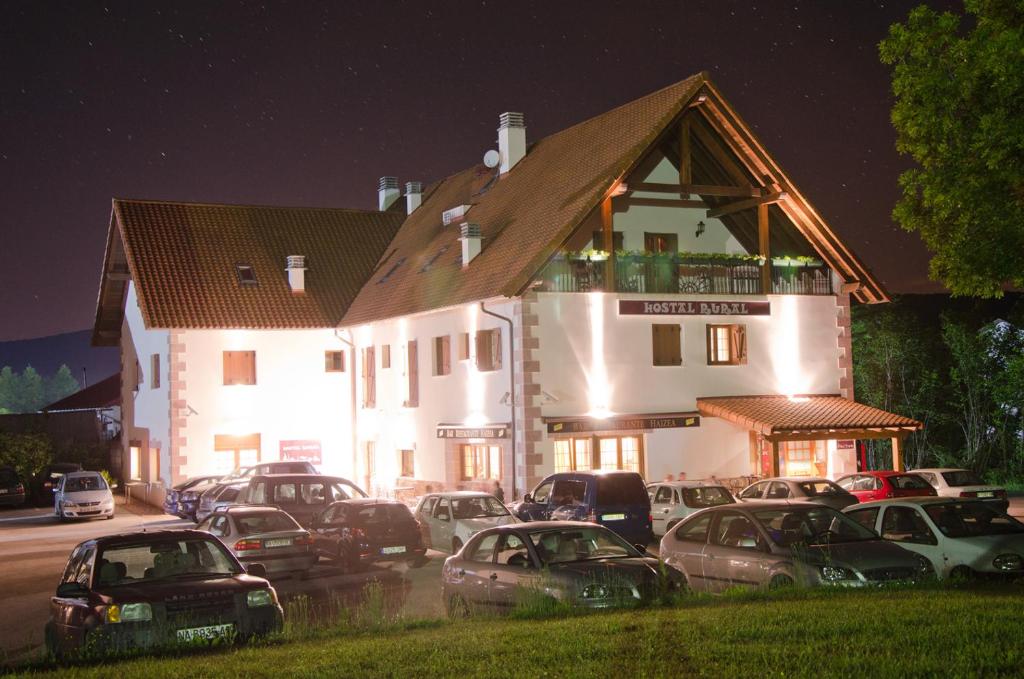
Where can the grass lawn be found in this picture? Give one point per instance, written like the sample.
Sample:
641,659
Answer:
967,631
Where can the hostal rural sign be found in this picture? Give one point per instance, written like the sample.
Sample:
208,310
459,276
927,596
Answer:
642,307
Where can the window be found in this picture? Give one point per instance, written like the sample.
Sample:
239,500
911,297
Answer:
666,345
865,517
807,458
463,346
664,496
753,492
408,463
369,378
727,344
696,530
735,530
568,492
412,372
154,365
232,452
392,270
620,452
540,495
442,355
246,274
135,462
777,491
661,242
905,524
239,367
613,453
488,349
514,552
481,462
385,356
616,241
483,550
334,361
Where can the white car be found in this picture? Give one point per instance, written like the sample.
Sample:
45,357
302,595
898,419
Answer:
673,501
959,537
82,495
449,520
964,483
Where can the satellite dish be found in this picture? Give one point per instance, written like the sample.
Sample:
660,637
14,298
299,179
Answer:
491,158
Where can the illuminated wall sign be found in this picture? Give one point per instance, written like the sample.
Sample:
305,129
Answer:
625,422
489,431
302,451
641,307
845,444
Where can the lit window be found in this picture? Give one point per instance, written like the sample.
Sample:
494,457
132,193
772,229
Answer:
481,463
727,344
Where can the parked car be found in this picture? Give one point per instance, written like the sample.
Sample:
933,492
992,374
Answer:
776,544
803,489
448,520
263,468
579,563
83,495
960,537
12,490
879,485
673,501
157,588
263,535
217,497
48,479
304,496
616,499
358,532
171,505
964,483
188,500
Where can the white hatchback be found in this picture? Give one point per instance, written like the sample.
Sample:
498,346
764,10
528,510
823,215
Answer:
448,520
966,484
673,501
959,537
83,495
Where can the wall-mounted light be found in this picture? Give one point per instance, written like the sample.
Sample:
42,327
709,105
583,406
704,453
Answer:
700,228
620,190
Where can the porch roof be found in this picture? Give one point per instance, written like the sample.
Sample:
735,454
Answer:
820,416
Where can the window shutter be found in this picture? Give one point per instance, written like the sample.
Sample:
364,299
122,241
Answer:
710,330
446,355
675,351
665,344
483,347
371,378
414,378
250,358
496,349
739,344
229,364
463,346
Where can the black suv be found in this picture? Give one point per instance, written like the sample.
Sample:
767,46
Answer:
158,588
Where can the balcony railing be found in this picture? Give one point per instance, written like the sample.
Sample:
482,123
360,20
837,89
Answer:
679,274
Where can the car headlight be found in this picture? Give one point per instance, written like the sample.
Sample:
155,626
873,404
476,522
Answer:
260,597
836,574
137,612
595,592
1008,562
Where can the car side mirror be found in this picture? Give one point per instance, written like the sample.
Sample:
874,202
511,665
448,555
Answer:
527,498
257,570
71,590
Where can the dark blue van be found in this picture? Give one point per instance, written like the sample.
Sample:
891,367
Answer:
615,499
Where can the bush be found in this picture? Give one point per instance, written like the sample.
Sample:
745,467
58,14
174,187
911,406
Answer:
27,453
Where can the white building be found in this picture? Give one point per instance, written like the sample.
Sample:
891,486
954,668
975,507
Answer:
644,290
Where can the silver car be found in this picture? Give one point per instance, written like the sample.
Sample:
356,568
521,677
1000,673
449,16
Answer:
579,563
800,488
776,544
218,497
264,535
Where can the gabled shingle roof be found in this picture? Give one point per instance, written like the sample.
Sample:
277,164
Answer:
183,260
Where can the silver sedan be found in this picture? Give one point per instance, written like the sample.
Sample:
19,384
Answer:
801,489
775,544
264,535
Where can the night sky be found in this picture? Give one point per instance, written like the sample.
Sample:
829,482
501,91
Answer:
303,103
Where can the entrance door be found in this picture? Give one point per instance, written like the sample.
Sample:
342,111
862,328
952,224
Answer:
803,458
662,272
371,466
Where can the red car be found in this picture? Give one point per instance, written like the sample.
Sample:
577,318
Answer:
881,485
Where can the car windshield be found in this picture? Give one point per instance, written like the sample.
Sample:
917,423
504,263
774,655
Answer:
381,513
962,478
264,522
132,564
818,488
621,489
77,484
810,526
909,482
580,544
711,496
969,519
478,507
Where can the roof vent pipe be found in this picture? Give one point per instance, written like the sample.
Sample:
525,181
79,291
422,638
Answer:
511,140
471,241
387,192
296,269
413,196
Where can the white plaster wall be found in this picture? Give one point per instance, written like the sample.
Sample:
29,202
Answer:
150,407
464,396
294,397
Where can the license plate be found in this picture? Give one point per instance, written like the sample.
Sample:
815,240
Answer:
280,542
399,549
210,633
613,517
987,493
3,491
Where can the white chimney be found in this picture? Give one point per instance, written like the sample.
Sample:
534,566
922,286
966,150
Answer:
387,192
511,140
296,269
470,242
413,196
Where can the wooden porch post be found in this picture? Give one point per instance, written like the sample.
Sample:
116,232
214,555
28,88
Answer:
897,454
685,173
775,459
764,245
609,244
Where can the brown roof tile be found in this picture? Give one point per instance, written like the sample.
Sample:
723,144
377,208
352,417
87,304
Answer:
774,415
182,258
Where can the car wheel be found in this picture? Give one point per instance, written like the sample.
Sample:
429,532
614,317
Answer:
457,607
52,647
961,574
456,545
780,581
418,562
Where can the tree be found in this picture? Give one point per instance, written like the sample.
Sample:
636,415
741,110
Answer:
33,394
27,453
959,112
61,385
10,390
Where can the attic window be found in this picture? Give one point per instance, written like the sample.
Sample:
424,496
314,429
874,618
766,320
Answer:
393,269
437,255
246,274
